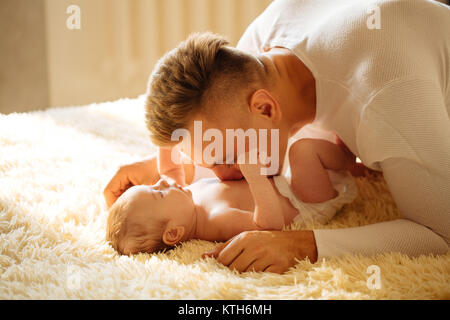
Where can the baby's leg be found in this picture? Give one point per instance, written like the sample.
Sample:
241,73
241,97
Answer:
309,159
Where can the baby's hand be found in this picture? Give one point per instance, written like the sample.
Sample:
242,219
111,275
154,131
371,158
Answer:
268,212
250,166
356,169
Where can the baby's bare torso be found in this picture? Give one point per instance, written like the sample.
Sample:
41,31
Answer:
213,193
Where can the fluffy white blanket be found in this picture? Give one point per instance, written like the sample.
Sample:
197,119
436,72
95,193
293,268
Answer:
53,167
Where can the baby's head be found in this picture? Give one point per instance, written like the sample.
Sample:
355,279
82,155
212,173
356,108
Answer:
150,218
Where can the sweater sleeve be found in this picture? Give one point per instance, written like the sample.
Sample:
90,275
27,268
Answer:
423,199
405,131
403,236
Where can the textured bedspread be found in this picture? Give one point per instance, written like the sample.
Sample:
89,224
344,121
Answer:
53,167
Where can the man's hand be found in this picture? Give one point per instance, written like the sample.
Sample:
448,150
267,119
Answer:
271,251
139,173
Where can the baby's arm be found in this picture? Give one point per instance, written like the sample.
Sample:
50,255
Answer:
225,222
268,212
309,159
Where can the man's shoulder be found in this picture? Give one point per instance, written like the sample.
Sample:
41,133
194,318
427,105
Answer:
282,19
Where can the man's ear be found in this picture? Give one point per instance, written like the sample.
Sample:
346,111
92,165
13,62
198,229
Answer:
173,235
262,103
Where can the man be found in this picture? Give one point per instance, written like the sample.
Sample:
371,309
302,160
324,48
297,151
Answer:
376,74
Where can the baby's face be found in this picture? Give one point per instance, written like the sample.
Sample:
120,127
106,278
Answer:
163,200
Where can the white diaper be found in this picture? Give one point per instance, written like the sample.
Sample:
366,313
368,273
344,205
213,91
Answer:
311,213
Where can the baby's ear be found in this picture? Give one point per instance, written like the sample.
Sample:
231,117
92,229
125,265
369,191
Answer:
173,235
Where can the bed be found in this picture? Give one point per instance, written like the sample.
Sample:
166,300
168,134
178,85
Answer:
54,165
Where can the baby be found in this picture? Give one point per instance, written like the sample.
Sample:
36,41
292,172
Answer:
154,218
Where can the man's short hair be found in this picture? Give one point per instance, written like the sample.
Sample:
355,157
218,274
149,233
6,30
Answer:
201,69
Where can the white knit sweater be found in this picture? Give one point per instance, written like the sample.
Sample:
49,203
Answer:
382,71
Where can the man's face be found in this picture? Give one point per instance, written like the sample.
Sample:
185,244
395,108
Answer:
217,141
217,161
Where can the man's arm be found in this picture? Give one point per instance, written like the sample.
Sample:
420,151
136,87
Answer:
424,200
406,130
422,197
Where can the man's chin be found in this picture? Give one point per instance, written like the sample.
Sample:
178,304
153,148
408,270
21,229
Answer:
233,176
